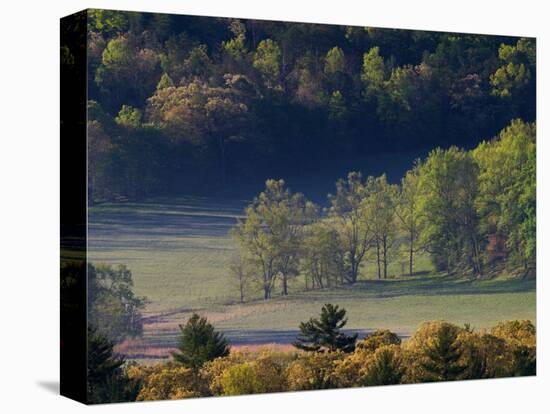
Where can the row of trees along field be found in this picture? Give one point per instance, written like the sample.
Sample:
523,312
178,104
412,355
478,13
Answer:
205,365
184,103
471,211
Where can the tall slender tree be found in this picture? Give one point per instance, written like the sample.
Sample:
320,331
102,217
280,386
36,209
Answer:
407,212
379,207
353,226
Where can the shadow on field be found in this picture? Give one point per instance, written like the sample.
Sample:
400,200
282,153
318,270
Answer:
268,336
154,225
247,337
424,286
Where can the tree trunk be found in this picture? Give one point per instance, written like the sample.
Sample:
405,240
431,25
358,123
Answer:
352,273
378,259
285,285
411,253
385,257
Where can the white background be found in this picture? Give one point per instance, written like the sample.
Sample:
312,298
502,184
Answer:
29,206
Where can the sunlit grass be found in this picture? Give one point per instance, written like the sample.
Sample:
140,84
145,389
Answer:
179,251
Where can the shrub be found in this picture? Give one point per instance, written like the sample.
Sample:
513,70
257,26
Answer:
484,355
262,375
166,382
518,332
212,371
312,371
377,339
522,338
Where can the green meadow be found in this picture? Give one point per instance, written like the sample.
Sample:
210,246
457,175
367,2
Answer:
179,250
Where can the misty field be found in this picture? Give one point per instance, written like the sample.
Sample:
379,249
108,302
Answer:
179,250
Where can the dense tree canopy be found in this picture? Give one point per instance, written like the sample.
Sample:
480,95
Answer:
270,236
299,93
472,212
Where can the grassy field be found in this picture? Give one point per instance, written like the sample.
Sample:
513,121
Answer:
178,251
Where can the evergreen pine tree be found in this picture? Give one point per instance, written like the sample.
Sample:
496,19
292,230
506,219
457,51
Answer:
442,357
107,381
386,367
199,343
324,333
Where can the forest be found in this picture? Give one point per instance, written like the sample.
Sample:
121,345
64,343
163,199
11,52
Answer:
197,130
180,104
472,212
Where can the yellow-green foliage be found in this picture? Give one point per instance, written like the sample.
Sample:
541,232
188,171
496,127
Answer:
165,382
416,347
378,338
485,355
517,332
312,371
212,372
350,371
508,349
384,367
261,375
521,336
347,372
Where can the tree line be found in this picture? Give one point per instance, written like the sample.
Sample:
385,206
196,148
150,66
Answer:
204,365
184,103
473,212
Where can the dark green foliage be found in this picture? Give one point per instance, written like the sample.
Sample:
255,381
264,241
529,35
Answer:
525,361
325,91
442,357
199,343
107,380
325,333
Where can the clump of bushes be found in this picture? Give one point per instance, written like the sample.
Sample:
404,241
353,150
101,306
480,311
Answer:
263,374
437,351
166,382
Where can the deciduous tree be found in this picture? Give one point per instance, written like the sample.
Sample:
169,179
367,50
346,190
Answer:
379,208
271,234
353,225
449,187
407,211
